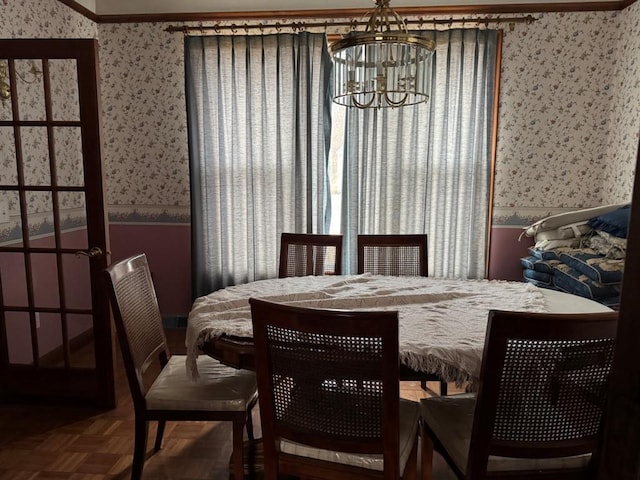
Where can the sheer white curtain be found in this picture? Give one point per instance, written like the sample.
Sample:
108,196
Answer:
427,168
259,128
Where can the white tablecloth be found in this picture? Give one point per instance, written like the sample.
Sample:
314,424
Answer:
442,322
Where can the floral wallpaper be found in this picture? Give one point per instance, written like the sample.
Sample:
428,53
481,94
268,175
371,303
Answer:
554,115
65,98
144,122
568,111
43,19
555,118
622,143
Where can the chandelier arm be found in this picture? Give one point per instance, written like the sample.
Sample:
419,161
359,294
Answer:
384,23
363,105
373,15
399,20
395,104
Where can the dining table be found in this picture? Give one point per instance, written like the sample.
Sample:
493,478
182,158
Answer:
442,322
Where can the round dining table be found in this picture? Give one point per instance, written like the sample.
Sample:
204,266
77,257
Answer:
442,322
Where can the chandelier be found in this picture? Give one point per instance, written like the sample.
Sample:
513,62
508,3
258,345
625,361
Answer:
383,66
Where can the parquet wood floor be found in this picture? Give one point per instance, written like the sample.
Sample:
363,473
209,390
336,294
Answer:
52,442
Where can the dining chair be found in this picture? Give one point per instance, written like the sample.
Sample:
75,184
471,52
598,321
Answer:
397,255
329,394
540,402
304,254
220,394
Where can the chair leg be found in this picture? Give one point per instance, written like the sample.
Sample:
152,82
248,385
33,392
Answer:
139,448
250,425
159,434
426,454
411,470
270,463
443,389
238,450
423,385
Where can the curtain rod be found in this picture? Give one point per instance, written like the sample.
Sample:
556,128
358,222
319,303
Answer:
352,24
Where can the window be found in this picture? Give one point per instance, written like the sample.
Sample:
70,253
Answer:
424,168
259,115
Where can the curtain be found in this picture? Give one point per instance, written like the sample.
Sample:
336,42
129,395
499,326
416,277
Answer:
258,111
427,168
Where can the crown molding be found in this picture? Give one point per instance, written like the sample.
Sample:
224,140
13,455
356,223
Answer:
350,12
81,9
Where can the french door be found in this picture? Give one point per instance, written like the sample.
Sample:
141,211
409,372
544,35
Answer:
55,329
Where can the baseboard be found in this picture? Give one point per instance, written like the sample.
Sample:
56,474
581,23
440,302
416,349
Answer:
174,321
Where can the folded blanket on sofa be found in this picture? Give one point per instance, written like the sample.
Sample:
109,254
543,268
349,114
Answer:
549,254
542,266
606,271
537,283
572,281
540,277
607,244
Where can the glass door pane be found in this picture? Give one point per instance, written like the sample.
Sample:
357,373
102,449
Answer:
51,214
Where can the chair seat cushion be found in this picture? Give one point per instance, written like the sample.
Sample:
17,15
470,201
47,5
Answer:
218,388
409,415
450,420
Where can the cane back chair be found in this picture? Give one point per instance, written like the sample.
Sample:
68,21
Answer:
304,254
540,402
220,394
399,255
329,394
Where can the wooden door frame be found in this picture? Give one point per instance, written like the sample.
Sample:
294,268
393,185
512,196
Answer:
85,52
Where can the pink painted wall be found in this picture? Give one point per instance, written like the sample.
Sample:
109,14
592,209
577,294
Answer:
169,254
45,294
168,250
505,253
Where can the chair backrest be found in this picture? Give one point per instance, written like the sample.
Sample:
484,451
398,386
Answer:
328,378
137,319
304,254
399,255
543,385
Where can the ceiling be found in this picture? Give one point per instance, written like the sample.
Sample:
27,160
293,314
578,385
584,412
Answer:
131,7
